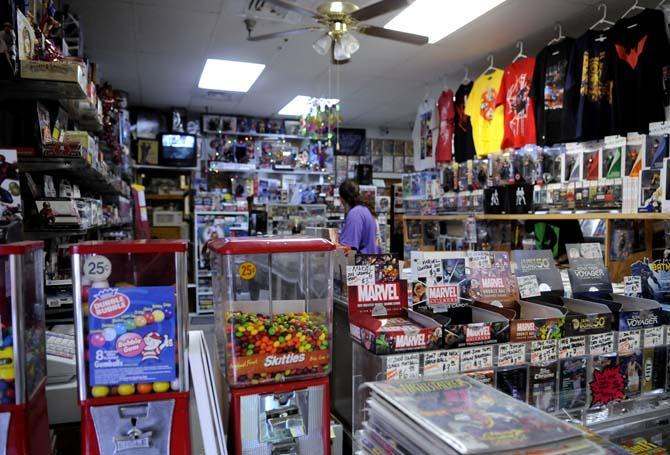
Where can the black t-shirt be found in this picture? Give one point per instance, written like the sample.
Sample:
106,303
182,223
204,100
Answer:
590,75
641,51
552,122
464,146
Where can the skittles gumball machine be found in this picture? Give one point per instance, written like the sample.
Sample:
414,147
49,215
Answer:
24,423
273,309
131,327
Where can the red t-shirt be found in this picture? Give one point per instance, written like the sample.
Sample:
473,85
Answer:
446,114
514,94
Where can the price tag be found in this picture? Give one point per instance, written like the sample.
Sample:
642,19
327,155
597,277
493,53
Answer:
653,337
528,286
476,358
360,274
97,268
601,343
632,286
629,341
438,363
247,270
510,354
429,268
543,351
404,366
571,347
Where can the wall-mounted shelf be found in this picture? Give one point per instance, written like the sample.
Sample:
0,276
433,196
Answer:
165,197
542,216
164,168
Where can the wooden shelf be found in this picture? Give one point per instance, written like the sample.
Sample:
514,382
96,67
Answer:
164,168
165,197
542,216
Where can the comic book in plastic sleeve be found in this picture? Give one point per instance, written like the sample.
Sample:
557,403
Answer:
470,417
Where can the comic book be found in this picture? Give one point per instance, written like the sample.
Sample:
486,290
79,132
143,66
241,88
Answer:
655,279
461,414
572,383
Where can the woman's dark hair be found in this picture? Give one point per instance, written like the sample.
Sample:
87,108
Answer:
352,196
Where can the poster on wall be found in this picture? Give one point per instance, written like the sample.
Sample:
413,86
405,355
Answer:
424,135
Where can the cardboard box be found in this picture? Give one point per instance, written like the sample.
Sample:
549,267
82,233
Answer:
54,71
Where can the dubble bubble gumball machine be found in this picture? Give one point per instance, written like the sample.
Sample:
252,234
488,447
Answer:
273,309
24,424
131,327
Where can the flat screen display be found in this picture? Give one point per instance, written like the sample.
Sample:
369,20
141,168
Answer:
178,150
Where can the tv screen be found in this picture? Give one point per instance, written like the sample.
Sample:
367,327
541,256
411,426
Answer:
351,141
178,150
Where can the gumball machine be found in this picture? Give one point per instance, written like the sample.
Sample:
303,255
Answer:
131,322
273,309
24,423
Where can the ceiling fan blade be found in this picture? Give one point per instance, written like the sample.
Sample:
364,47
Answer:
295,8
379,32
379,9
282,34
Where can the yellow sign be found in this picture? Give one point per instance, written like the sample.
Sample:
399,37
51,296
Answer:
247,270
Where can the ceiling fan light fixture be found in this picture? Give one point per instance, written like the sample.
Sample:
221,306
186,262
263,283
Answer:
336,7
339,52
349,43
322,45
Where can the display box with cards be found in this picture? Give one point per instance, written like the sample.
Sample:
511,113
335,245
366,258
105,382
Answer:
491,279
536,321
378,316
58,213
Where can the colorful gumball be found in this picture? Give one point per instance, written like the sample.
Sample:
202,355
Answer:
130,324
149,317
167,310
140,321
120,328
84,292
174,385
7,341
97,339
109,334
159,315
100,391
144,388
126,389
161,387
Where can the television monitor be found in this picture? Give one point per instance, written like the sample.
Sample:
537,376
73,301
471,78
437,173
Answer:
351,142
178,150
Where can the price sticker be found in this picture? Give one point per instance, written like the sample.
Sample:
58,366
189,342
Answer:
360,274
97,268
543,351
429,268
571,347
476,358
247,270
629,341
404,366
439,363
528,286
653,337
510,354
601,343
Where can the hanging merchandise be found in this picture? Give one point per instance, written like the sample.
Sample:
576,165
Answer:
514,96
464,146
486,118
446,116
642,51
590,75
552,121
423,135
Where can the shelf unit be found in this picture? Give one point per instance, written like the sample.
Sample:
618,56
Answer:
618,268
46,233
163,168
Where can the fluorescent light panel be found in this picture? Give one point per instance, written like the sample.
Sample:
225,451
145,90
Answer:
300,105
229,75
439,18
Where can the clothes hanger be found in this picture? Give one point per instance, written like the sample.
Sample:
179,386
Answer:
559,28
519,45
490,68
635,6
466,78
603,20
660,4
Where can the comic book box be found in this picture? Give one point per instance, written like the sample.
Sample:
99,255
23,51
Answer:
273,308
24,424
131,325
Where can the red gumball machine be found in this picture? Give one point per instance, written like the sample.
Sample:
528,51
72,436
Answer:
131,323
24,423
273,308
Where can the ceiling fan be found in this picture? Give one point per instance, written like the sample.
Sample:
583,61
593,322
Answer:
338,20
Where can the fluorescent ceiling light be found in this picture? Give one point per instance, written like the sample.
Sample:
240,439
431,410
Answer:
301,105
229,75
439,18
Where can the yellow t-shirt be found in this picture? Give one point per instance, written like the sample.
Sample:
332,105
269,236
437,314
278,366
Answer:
487,120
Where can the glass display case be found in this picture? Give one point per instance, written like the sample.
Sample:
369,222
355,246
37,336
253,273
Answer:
273,308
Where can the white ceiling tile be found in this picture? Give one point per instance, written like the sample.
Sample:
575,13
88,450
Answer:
202,6
106,25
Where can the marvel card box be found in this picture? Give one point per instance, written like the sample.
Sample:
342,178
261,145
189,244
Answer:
537,322
491,279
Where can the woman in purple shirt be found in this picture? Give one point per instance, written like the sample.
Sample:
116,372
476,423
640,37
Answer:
360,226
